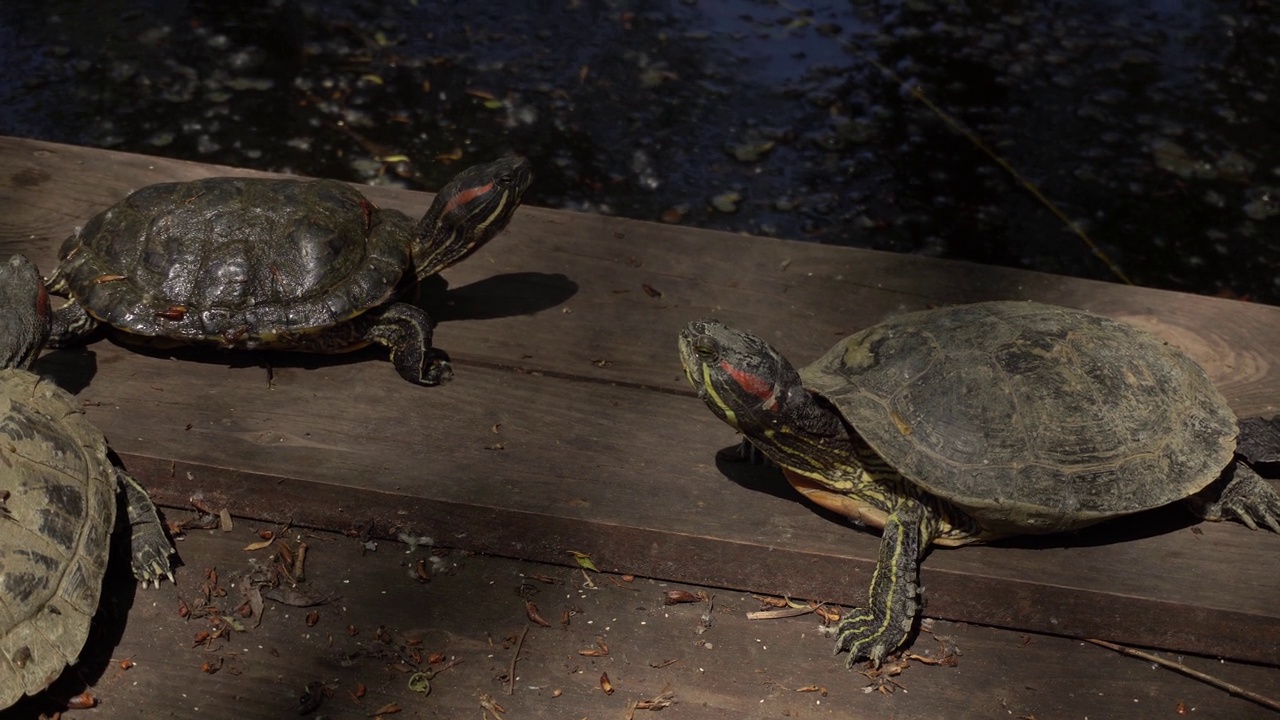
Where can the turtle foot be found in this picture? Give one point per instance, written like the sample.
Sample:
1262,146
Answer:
1246,498
865,635
151,555
437,370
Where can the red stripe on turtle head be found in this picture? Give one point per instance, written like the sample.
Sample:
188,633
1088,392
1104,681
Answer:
42,302
753,384
465,196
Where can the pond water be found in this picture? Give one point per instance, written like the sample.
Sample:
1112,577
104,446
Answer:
1154,127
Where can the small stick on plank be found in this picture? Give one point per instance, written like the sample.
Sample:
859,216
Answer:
298,559
511,673
1202,677
779,613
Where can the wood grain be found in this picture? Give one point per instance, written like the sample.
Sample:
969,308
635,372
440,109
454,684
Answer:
474,605
570,425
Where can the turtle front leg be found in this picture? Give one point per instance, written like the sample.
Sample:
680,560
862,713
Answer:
406,330
149,548
1245,497
70,325
882,626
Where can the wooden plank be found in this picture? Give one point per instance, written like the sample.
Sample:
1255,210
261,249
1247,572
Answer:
570,425
473,605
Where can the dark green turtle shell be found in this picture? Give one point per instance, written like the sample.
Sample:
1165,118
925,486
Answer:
237,261
58,514
1032,418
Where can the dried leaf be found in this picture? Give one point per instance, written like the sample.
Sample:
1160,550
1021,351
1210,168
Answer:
605,685
259,545
360,690
651,291
126,664
254,596
482,94
224,515
488,703
675,597
600,650
584,560
83,701
313,617
449,157
388,709
534,616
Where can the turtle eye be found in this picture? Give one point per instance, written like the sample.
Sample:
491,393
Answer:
705,352
506,178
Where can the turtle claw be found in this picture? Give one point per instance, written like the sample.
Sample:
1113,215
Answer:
865,636
437,370
1246,498
151,566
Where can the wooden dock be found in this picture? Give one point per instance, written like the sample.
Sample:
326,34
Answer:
569,427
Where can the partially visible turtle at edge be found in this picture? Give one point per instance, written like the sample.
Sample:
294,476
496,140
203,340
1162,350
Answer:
311,266
58,494
976,422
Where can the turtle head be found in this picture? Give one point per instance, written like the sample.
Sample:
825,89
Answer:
24,313
742,378
468,212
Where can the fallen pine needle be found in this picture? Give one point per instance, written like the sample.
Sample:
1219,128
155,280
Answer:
511,674
1202,677
779,613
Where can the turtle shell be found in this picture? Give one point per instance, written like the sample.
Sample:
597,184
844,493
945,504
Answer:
237,261
55,521
1032,418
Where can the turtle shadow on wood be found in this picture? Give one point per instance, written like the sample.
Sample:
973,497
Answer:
71,369
499,296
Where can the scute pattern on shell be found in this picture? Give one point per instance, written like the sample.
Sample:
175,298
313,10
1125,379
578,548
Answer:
1031,417
54,538
237,261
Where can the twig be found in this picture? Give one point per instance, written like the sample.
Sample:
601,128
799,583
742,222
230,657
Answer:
779,613
511,673
1202,677
972,137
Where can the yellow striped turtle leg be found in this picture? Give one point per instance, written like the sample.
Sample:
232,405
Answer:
406,330
148,546
69,325
883,625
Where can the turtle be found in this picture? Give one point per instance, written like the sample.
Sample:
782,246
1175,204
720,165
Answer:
58,504
976,422
286,264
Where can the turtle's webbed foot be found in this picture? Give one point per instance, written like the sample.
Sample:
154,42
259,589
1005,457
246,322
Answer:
865,635
1246,498
151,553
150,548
436,370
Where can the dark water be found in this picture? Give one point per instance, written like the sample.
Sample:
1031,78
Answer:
1155,126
